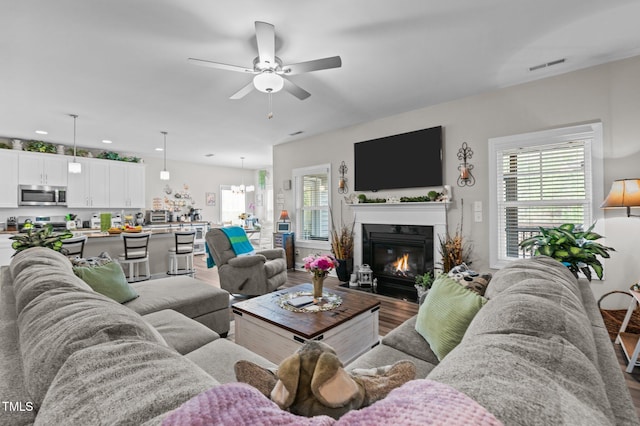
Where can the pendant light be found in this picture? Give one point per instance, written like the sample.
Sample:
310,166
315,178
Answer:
242,188
164,174
74,167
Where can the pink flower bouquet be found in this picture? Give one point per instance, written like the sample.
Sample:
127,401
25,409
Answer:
320,264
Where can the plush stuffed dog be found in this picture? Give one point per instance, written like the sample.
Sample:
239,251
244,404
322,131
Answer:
313,382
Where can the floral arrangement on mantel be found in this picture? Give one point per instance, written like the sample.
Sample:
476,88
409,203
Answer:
430,197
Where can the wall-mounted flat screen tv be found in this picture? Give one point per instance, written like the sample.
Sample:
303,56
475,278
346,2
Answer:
408,160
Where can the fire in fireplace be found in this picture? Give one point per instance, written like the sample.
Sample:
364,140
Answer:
397,254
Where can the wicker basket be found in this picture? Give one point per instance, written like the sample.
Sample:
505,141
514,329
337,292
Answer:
613,317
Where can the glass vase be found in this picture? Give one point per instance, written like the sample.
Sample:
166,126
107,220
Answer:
317,286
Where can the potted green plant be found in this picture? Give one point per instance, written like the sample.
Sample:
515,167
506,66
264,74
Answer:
569,244
42,237
423,283
40,146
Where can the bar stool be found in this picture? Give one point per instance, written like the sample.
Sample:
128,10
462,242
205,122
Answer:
182,250
136,252
73,247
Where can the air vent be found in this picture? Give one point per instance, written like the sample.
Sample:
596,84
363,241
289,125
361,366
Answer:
296,133
209,155
548,64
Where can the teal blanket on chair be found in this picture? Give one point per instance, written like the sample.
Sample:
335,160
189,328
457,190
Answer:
239,241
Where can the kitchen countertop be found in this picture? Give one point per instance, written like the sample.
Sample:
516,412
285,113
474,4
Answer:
155,228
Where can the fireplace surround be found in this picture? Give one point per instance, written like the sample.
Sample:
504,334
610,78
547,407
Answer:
400,216
397,254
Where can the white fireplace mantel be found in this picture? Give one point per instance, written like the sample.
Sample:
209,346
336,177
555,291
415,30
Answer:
425,214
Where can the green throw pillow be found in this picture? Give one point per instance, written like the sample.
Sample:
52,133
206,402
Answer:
109,280
446,313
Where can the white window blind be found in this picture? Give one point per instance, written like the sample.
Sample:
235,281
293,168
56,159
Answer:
540,181
315,207
313,195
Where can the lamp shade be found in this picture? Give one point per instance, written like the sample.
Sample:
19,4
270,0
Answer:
284,216
75,167
623,193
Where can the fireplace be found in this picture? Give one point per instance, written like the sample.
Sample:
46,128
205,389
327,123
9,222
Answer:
406,215
397,254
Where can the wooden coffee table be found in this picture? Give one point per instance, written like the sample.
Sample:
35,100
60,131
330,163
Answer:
265,328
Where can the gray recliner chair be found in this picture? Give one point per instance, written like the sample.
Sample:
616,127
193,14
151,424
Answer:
251,275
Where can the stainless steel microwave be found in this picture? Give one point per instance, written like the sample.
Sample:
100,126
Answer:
36,195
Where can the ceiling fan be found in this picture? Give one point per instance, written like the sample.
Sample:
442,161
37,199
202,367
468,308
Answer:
270,75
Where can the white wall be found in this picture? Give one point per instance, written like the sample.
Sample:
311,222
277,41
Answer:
200,179
609,93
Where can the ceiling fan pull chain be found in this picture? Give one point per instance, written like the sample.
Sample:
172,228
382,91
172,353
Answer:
270,113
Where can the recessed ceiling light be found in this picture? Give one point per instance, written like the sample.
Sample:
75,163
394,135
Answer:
159,149
106,141
42,132
209,155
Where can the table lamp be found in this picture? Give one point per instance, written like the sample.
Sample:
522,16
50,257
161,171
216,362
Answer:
623,193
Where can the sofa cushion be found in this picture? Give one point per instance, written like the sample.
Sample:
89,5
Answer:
538,307
219,357
386,355
189,296
107,279
38,270
62,321
541,267
12,387
121,382
181,333
406,339
526,380
446,313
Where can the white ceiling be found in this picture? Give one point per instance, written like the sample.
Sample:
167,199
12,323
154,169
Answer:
121,65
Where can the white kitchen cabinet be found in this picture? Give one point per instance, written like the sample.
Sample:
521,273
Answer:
126,185
9,178
90,187
42,169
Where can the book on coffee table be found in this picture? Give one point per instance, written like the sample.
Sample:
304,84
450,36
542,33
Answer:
300,301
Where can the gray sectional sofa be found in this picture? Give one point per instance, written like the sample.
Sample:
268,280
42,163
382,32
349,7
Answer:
536,353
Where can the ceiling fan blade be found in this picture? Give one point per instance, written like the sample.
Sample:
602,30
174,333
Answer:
295,90
243,92
315,65
219,65
266,38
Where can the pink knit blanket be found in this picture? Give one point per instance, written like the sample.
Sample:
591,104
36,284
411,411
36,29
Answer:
417,402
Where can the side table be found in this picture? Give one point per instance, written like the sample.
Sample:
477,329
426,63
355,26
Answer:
630,341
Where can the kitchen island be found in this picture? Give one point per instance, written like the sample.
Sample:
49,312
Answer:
161,240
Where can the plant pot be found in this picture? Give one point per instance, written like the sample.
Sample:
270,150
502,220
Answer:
421,291
344,269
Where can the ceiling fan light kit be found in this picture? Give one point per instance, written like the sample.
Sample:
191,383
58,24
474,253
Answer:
270,74
268,82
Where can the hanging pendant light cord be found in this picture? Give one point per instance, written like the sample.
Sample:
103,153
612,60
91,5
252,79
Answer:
164,150
74,135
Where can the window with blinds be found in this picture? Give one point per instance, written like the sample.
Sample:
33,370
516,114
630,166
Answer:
541,181
312,206
542,187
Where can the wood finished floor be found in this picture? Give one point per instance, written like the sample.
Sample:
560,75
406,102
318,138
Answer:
394,312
